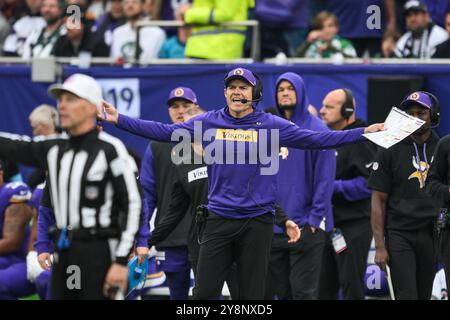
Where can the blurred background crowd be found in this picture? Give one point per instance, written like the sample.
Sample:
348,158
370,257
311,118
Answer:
295,28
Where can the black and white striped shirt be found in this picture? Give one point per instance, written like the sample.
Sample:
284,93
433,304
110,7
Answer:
92,181
421,47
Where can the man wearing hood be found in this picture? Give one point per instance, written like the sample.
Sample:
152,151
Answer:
402,213
344,267
305,186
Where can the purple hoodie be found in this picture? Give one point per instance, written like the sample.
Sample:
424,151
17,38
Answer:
305,180
239,191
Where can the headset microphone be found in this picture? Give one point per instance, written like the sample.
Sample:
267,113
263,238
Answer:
244,101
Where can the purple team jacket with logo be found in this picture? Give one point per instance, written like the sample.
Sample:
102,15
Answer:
239,191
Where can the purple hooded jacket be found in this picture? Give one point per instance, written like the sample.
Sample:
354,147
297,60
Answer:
305,179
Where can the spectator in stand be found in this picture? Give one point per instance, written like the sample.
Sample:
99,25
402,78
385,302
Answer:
443,49
12,10
213,42
105,25
124,37
166,10
436,8
354,19
40,42
388,44
80,39
22,28
422,37
325,42
284,25
97,8
4,29
174,47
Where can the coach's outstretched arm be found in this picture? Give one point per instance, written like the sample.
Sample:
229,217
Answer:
145,128
293,136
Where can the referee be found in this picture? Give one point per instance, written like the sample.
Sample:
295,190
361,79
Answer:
90,172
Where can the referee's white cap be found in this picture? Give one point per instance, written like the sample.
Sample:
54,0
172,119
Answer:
80,85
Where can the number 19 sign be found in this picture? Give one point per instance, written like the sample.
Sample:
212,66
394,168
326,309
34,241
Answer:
123,94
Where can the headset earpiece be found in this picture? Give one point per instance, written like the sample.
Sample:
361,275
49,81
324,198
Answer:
257,92
435,111
348,108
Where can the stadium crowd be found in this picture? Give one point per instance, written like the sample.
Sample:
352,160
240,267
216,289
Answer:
303,28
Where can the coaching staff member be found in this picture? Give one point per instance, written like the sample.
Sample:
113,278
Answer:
90,172
438,186
351,204
240,199
402,213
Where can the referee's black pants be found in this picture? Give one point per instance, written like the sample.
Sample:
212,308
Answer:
412,260
79,272
347,269
294,268
224,241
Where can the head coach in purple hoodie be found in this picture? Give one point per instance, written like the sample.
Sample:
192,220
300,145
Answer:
305,187
241,195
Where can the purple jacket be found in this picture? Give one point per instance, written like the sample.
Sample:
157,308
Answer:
239,191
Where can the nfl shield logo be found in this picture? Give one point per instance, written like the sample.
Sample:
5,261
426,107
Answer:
91,192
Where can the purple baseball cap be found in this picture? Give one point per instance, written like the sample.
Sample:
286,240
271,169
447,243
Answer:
418,97
240,73
182,93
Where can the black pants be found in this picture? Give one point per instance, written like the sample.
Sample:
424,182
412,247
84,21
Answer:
231,279
347,269
412,260
79,272
444,254
294,269
224,241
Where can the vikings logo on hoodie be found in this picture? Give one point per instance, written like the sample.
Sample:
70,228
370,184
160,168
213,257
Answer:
420,173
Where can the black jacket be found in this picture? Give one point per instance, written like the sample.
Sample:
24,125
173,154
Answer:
352,162
438,180
165,174
442,50
89,43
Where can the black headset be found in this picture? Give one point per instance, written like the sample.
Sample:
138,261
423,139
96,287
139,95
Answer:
348,108
435,111
257,90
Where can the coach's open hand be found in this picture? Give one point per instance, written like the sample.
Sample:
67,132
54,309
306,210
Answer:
374,128
293,231
117,277
109,114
